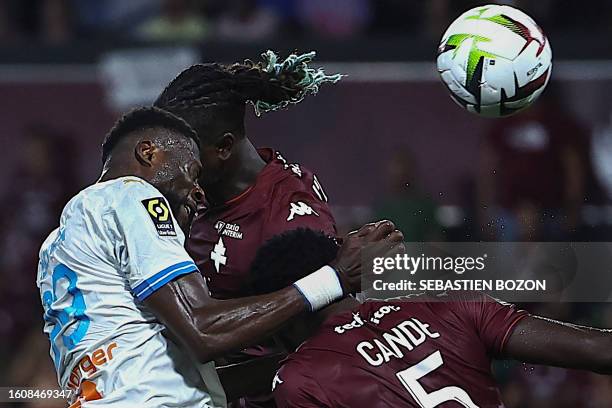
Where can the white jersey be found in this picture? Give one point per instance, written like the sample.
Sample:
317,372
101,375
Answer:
118,243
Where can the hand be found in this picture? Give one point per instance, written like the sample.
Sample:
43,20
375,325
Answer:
381,238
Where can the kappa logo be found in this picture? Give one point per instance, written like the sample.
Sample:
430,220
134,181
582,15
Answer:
158,210
276,381
300,208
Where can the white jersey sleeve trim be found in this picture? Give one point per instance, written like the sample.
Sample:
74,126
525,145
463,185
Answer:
152,284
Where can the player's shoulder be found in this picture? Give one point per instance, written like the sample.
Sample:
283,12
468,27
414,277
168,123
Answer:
293,167
422,306
468,298
443,297
128,186
297,188
293,370
457,307
111,194
92,206
286,176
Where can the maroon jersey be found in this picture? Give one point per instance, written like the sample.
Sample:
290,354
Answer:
225,239
401,354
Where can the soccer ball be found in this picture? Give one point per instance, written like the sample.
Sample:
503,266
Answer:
494,60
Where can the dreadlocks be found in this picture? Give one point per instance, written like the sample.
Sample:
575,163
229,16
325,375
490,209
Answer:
212,97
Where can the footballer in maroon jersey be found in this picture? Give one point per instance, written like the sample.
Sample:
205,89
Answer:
251,194
225,238
421,352
400,354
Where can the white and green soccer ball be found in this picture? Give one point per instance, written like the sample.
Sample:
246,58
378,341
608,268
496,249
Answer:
495,60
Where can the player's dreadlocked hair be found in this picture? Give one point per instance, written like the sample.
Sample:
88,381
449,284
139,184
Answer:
288,257
212,97
144,118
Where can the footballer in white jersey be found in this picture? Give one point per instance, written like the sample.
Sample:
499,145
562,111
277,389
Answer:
117,244
116,283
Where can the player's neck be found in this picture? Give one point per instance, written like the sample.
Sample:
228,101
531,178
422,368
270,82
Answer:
114,170
248,166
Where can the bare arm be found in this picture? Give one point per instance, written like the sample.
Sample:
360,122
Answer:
210,328
538,340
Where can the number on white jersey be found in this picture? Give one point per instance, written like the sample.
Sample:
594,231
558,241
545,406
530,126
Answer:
61,318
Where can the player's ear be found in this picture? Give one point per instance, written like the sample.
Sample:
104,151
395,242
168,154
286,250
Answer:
225,146
146,152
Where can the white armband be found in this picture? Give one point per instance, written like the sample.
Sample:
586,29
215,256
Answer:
321,288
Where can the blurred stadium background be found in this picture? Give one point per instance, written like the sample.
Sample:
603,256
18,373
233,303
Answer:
386,142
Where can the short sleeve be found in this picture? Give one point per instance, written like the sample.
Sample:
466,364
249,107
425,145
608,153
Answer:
152,243
494,321
293,387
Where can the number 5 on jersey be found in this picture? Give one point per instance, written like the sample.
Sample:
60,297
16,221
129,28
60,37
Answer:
410,379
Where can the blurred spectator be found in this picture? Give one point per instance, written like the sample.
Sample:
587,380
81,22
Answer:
282,8
56,22
31,358
41,185
246,21
600,390
178,21
334,18
397,16
46,21
104,17
532,173
547,387
406,204
437,18
601,153
8,33
32,367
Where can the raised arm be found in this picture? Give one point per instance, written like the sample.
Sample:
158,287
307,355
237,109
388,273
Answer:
210,328
537,340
